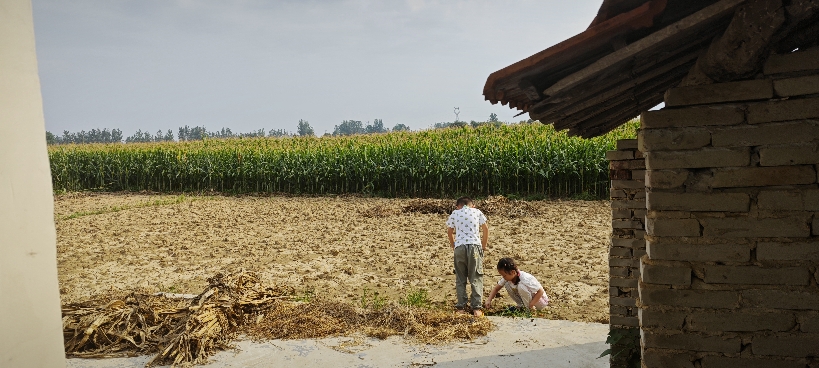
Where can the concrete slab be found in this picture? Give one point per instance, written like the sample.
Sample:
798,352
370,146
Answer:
516,343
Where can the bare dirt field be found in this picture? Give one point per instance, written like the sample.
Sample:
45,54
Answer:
328,247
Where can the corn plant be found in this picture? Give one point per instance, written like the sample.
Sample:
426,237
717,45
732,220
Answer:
521,159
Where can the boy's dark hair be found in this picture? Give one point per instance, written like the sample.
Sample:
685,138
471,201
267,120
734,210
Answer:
463,201
509,265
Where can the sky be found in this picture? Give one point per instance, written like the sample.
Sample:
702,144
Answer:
249,65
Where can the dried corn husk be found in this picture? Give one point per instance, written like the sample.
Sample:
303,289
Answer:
184,331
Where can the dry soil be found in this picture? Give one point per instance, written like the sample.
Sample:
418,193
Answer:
327,247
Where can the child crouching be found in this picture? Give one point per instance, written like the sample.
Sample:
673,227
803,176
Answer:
522,287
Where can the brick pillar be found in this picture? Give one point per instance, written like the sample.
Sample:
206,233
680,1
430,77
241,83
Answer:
730,278
628,210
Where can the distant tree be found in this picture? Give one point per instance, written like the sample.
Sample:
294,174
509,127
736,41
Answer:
349,127
304,128
400,128
187,133
259,133
92,136
140,137
116,135
493,118
376,127
222,134
277,133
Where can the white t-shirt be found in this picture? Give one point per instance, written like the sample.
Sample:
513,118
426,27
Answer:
528,284
467,224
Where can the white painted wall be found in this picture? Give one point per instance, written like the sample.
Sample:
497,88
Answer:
30,322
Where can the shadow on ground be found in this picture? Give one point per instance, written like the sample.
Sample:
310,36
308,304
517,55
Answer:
515,342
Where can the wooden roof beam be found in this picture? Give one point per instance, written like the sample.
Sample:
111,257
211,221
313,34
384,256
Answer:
661,38
593,105
591,93
565,52
648,95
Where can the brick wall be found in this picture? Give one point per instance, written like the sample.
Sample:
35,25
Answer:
730,275
628,210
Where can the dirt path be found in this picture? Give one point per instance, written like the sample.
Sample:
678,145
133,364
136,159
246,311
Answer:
328,246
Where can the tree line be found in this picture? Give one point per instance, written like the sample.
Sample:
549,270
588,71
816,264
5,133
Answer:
185,133
197,133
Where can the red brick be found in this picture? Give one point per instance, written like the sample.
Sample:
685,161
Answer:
749,227
620,252
692,116
749,90
729,202
618,271
627,164
766,134
786,345
627,144
763,176
673,139
632,204
775,251
797,86
669,320
658,274
792,62
691,341
809,323
623,282
740,321
689,298
627,184
619,155
676,250
666,179
622,174
628,243
789,200
753,275
624,321
672,227
798,154
626,224
781,299
626,302
661,358
702,158
712,361
795,109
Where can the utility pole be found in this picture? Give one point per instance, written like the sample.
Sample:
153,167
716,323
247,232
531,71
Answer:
457,112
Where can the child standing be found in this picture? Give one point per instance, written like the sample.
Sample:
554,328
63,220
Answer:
522,287
468,235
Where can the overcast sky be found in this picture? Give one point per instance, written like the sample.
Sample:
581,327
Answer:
245,65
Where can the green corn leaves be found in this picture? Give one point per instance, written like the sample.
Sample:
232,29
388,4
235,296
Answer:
524,159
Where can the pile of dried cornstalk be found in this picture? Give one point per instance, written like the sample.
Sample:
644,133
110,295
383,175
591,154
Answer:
185,330
492,205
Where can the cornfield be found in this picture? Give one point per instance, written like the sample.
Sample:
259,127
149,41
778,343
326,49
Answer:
522,159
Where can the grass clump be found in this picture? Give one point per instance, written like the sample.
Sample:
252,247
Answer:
417,298
372,300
